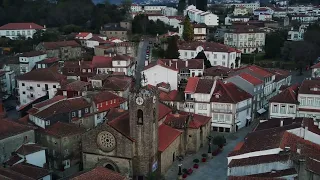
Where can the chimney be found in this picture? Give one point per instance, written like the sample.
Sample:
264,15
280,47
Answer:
176,65
281,122
44,26
110,55
299,148
79,63
187,63
30,26
170,63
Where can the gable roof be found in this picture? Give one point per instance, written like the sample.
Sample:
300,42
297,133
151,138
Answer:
251,79
164,110
26,149
75,86
289,96
43,74
254,70
29,170
20,26
307,85
60,129
207,46
103,96
316,66
166,136
121,124
100,173
32,54
10,128
228,93
117,83
217,71
102,61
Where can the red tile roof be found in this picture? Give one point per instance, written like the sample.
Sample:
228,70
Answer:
197,120
159,63
207,46
192,85
163,110
10,128
82,34
100,173
307,86
76,86
167,135
251,79
8,174
104,96
48,60
63,106
32,54
29,170
48,102
60,129
217,71
316,66
121,124
13,160
258,160
102,62
27,149
276,122
59,44
251,178
313,165
228,93
43,74
168,96
287,96
255,71
277,173
183,64
117,83
262,9
20,26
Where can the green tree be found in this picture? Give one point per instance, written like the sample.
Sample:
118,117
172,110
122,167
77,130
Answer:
219,141
187,34
202,55
274,43
172,51
181,6
202,4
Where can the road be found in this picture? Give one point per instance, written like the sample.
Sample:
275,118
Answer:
141,58
296,78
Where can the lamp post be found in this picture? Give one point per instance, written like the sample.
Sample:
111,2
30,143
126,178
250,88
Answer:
180,168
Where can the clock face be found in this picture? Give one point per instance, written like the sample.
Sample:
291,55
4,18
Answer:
154,99
106,141
139,101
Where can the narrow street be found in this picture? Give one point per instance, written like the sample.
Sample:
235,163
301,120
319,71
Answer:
140,59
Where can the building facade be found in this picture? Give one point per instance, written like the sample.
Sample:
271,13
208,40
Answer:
16,30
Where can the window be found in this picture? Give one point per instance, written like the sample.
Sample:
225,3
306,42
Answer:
66,152
83,70
54,86
223,56
7,33
106,102
223,63
23,33
214,62
89,70
215,117
291,110
86,110
111,102
22,84
73,114
23,92
185,54
38,85
202,106
283,109
192,54
47,123
317,102
254,89
221,118
228,117
310,101
275,109
28,32
12,33
18,33
118,62
214,56
140,117
114,101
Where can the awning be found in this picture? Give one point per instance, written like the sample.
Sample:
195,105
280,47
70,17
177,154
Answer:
261,111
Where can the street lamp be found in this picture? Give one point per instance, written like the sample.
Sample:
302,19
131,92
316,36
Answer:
209,146
180,168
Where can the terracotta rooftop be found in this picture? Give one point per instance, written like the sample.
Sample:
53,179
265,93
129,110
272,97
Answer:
48,102
316,66
121,124
100,77
288,95
63,106
251,79
164,110
26,149
13,160
276,122
60,129
313,165
217,71
251,178
31,171
103,96
20,26
10,128
117,83
207,46
254,70
8,174
59,44
258,160
100,173
32,54
310,87
166,136
197,85
75,86
280,74
43,74
48,60
82,34
228,93
102,61
197,120
277,173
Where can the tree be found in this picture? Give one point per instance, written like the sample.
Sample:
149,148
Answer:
274,42
219,141
201,55
312,34
181,6
172,51
187,34
202,5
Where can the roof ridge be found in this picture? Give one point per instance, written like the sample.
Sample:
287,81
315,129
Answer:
226,89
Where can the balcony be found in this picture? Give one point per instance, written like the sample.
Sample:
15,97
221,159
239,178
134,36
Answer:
251,39
222,110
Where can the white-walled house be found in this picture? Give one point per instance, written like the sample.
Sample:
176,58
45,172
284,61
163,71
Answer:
263,10
231,19
172,71
199,31
135,8
217,54
309,98
296,35
285,104
228,105
246,38
315,70
169,11
38,83
28,60
200,16
174,21
240,11
14,30
249,6
265,17
33,154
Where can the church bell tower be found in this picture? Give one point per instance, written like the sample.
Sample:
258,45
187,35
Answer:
143,108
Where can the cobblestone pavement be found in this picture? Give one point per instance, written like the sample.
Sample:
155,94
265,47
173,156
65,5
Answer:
214,169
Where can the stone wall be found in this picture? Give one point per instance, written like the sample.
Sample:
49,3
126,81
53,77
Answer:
168,156
11,144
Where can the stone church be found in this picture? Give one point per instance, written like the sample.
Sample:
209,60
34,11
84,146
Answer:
134,142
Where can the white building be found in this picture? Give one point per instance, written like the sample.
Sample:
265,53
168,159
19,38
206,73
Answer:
231,19
33,154
38,83
199,31
217,54
228,105
303,18
263,10
117,63
169,11
285,104
174,21
199,16
90,40
246,38
309,98
172,71
296,35
153,8
240,11
135,8
315,70
265,17
250,6
160,17
15,30
28,60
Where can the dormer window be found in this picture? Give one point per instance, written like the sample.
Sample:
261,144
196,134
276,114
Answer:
217,96
84,70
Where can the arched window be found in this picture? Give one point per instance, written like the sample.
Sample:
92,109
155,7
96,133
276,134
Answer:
154,115
140,116
109,166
